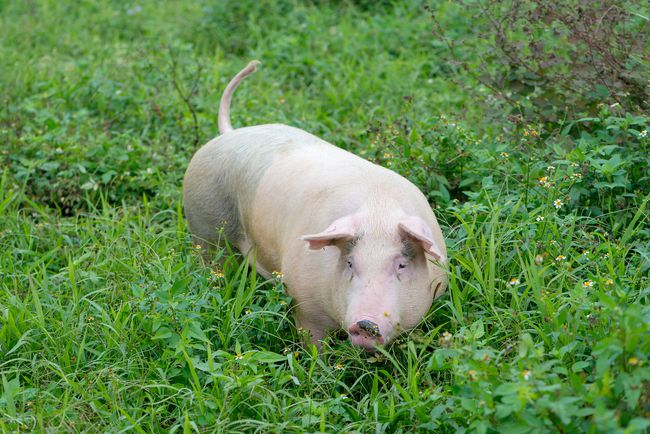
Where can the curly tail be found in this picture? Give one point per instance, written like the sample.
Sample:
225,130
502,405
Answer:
224,105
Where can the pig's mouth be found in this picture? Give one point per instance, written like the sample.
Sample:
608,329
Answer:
365,333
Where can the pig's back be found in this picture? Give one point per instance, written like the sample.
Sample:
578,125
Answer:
223,175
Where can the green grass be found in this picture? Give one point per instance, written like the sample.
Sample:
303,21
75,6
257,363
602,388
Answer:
110,322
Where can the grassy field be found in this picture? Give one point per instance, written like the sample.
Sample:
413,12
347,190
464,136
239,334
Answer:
110,322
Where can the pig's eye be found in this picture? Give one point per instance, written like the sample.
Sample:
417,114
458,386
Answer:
401,266
349,263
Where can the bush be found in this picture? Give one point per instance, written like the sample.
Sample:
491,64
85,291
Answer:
552,60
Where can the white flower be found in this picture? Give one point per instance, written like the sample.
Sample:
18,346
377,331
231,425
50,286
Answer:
643,133
514,281
539,218
557,203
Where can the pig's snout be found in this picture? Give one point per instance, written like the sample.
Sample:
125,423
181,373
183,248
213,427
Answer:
365,334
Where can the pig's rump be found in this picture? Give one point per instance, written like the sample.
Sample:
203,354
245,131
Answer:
222,177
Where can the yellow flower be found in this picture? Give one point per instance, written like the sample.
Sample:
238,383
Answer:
587,284
633,361
338,367
609,282
514,281
560,258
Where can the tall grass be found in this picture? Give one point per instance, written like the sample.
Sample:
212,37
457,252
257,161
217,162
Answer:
109,320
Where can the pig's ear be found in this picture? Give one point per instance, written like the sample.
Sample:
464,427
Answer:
342,229
416,228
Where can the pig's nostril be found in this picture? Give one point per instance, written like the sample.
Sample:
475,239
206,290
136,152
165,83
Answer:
370,327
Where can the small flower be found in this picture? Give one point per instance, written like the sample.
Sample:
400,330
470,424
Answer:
552,242
197,247
277,274
585,252
504,155
342,396
574,164
615,105
472,374
550,168
543,180
557,203
387,155
560,258
539,259
587,284
577,176
149,170
339,367
514,281
633,361
216,273
445,339
248,311
539,218
609,282
526,374
59,151
643,134
239,356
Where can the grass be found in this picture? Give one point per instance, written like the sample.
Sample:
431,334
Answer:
110,322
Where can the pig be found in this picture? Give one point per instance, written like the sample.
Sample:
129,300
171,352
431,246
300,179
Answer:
358,245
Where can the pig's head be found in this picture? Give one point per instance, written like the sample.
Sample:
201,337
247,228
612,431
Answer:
385,279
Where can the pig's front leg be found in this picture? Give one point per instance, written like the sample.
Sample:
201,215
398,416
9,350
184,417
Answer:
314,329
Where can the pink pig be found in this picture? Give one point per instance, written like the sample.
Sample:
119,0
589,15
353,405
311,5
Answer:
358,245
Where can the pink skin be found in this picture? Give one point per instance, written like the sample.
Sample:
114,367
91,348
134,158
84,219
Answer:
375,268
380,285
